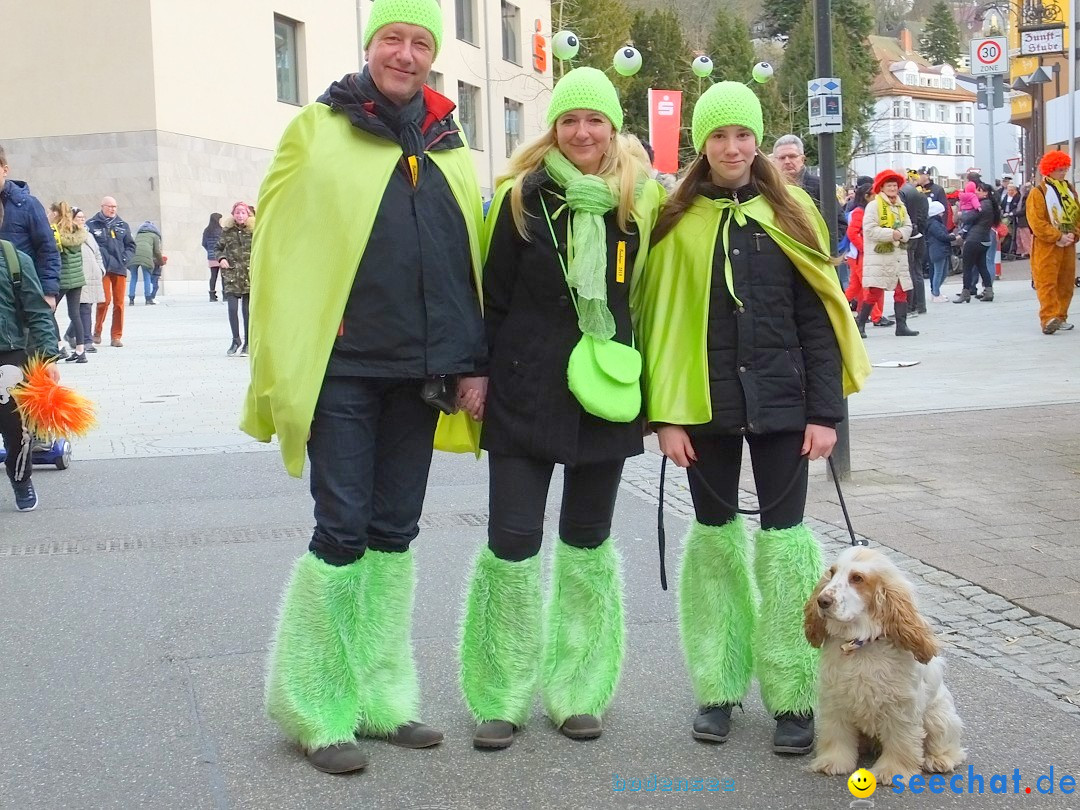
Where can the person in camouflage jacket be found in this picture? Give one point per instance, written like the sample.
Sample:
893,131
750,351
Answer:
234,257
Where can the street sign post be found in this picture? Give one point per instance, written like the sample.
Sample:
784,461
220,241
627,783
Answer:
989,55
826,106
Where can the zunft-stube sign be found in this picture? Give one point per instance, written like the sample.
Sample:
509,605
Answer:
1048,40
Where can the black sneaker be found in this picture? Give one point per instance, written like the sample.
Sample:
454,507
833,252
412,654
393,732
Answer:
713,723
90,348
234,347
794,733
25,497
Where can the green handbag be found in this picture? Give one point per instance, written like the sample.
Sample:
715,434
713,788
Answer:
603,375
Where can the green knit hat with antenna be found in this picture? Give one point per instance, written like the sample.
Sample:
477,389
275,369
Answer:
726,104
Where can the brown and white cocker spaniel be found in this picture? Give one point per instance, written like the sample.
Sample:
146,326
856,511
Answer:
881,674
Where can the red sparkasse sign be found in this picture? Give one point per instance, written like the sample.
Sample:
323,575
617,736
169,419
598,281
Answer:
665,117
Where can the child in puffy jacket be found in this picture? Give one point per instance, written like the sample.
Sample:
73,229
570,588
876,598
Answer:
939,244
969,200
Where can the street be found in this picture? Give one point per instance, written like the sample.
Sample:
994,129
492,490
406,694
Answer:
138,600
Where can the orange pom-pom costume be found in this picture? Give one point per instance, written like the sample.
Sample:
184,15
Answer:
48,409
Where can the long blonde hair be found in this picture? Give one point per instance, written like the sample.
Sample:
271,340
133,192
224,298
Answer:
620,164
65,220
791,217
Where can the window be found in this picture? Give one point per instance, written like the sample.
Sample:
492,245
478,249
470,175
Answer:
942,113
896,108
512,124
947,83
511,33
466,20
286,58
959,148
905,109
943,145
922,111
435,81
896,143
905,143
469,109
967,114
959,114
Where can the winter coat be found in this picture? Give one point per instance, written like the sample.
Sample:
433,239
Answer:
532,327
72,272
938,239
885,270
235,246
976,224
94,290
115,240
855,236
147,247
27,227
774,363
36,331
918,207
209,242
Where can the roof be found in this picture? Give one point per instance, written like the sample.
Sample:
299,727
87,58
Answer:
891,56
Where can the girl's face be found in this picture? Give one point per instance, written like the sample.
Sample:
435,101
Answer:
80,219
584,137
241,214
53,217
730,151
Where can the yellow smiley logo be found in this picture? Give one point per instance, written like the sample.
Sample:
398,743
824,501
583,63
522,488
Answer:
862,784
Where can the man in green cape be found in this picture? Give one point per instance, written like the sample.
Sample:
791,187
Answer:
365,266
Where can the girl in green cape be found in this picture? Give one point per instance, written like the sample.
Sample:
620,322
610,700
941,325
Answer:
747,337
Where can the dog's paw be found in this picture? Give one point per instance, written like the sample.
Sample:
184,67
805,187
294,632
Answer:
833,766
885,769
945,761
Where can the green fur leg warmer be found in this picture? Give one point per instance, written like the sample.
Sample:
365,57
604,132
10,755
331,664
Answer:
386,679
584,633
788,565
716,611
500,639
311,686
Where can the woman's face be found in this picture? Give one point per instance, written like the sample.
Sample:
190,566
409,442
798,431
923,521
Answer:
584,137
890,189
80,219
53,217
730,151
981,193
241,214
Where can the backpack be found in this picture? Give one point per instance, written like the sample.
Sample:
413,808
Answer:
15,271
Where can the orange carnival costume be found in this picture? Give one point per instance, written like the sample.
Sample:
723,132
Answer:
1053,213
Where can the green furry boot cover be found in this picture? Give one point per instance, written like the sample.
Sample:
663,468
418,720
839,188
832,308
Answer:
716,611
788,565
584,633
386,678
311,685
500,639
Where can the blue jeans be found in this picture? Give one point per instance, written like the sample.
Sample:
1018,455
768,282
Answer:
991,256
938,273
147,282
370,451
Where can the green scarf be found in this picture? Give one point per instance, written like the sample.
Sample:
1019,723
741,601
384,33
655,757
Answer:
589,197
889,216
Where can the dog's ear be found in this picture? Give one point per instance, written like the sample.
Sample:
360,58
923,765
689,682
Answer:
813,621
902,623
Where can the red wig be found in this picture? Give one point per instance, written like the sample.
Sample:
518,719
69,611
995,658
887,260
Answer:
1052,161
885,176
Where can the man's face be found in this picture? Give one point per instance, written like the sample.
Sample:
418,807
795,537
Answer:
1059,174
399,58
108,207
790,160
4,169
924,179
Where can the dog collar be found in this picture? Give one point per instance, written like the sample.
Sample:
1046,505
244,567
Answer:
856,644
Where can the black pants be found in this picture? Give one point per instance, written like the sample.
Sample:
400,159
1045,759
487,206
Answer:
84,317
234,322
76,325
916,259
776,461
370,451
974,254
17,440
214,269
517,494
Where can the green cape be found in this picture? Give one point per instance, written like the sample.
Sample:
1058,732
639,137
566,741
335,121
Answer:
316,209
674,312
646,208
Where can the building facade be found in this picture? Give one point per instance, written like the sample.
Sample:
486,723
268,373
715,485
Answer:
175,108
922,117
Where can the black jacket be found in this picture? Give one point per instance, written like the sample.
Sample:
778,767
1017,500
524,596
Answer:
917,205
115,240
532,328
413,310
774,363
977,224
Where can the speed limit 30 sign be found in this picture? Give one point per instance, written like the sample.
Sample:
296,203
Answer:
989,55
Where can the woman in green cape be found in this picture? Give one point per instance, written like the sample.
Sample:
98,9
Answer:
747,336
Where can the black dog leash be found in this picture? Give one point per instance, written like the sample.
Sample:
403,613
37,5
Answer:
661,534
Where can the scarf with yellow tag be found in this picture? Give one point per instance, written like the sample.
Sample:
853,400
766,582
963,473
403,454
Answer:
1061,205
